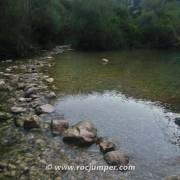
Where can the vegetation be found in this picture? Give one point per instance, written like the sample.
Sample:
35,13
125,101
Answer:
27,26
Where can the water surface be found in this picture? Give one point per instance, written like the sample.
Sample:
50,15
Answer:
133,99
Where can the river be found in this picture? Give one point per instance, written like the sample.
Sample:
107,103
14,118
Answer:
132,99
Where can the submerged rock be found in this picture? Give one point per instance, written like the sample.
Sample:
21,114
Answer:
116,158
82,134
106,145
18,110
59,126
45,109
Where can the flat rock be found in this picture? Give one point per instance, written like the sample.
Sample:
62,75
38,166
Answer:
116,158
18,110
45,109
106,145
59,126
82,134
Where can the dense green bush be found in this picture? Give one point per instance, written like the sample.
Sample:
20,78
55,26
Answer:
29,25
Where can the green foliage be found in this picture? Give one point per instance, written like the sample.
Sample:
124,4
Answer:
30,25
159,23
95,25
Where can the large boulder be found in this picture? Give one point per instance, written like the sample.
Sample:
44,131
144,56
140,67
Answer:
106,145
82,134
59,126
45,109
116,158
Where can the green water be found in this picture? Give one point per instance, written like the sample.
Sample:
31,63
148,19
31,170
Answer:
149,75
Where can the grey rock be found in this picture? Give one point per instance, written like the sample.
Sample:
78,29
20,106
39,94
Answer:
116,158
59,126
82,134
51,95
45,109
106,145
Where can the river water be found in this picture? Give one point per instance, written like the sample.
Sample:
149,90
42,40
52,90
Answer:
133,99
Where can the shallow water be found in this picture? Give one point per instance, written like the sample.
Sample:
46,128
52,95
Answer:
133,100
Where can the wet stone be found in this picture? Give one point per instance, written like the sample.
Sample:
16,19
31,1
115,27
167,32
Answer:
106,145
81,134
59,126
116,158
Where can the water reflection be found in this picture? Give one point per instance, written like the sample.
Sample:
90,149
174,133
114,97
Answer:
142,128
